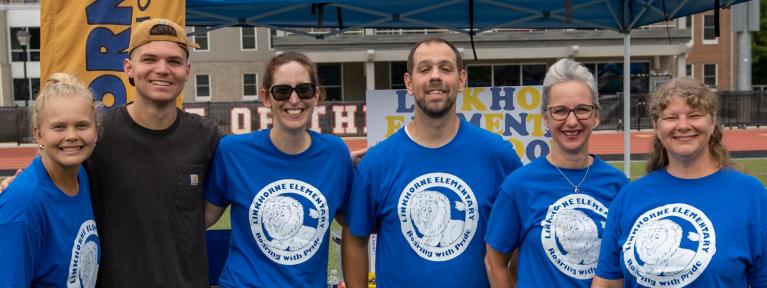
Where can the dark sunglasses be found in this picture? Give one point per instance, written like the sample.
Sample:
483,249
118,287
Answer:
304,91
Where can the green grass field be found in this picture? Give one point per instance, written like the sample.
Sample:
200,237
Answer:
756,167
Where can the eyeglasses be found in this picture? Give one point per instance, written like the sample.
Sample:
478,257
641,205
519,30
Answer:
304,91
582,112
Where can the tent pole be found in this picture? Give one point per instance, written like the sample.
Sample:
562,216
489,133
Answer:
627,104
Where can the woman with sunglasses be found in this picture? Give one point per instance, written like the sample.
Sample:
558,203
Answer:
692,221
285,185
553,210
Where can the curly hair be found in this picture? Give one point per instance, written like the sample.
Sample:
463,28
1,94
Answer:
697,95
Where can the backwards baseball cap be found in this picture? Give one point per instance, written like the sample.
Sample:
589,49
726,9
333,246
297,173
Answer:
159,29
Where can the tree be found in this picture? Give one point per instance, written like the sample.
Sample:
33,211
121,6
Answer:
759,48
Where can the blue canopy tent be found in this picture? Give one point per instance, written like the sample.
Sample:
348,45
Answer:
465,16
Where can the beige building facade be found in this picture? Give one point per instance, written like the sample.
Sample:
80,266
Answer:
229,65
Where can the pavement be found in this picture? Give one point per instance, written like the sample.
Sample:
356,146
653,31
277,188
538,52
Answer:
742,143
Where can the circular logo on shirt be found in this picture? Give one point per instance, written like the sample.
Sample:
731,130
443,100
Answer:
289,219
669,246
571,234
438,215
84,263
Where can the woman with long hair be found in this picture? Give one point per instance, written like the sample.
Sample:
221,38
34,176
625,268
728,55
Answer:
693,220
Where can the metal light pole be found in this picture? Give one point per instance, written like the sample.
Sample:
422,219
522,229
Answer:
23,37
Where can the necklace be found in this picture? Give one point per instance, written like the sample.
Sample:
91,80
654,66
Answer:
576,188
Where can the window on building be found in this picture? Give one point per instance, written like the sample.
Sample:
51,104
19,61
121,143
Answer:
21,88
248,39
640,77
709,29
690,26
480,75
250,86
592,68
689,70
397,74
506,75
533,74
610,78
201,39
709,75
33,47
202,87
272,34
330,75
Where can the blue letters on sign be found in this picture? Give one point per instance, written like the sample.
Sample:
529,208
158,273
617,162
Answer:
401,102
507,98
109,84
104,50
531,147
107,12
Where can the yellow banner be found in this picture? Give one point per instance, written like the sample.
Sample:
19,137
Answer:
89,39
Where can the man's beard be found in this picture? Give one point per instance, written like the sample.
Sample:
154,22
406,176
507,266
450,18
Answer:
437,112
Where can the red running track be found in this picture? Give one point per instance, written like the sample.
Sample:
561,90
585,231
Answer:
602,143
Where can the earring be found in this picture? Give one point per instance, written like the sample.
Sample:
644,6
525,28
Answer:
41,146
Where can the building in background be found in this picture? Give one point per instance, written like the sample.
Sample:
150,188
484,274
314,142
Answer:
710,58
229,64
15,89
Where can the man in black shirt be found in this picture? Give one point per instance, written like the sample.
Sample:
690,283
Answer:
148,169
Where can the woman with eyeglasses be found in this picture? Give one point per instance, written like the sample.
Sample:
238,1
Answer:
285,185
693,220
553,210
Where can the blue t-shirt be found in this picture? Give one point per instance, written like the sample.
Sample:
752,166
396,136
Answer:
430,206
557,231
47,238
281,207
672,232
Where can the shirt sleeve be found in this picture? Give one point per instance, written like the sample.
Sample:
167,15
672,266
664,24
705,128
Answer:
609,265
215,184
362,206
348,177
757,273
512,160
504,226
21,251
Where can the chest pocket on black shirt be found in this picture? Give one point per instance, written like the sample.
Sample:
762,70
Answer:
189,182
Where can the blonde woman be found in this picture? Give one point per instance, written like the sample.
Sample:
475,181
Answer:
693,221
48,236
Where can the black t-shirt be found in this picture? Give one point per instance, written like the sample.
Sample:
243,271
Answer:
148,203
